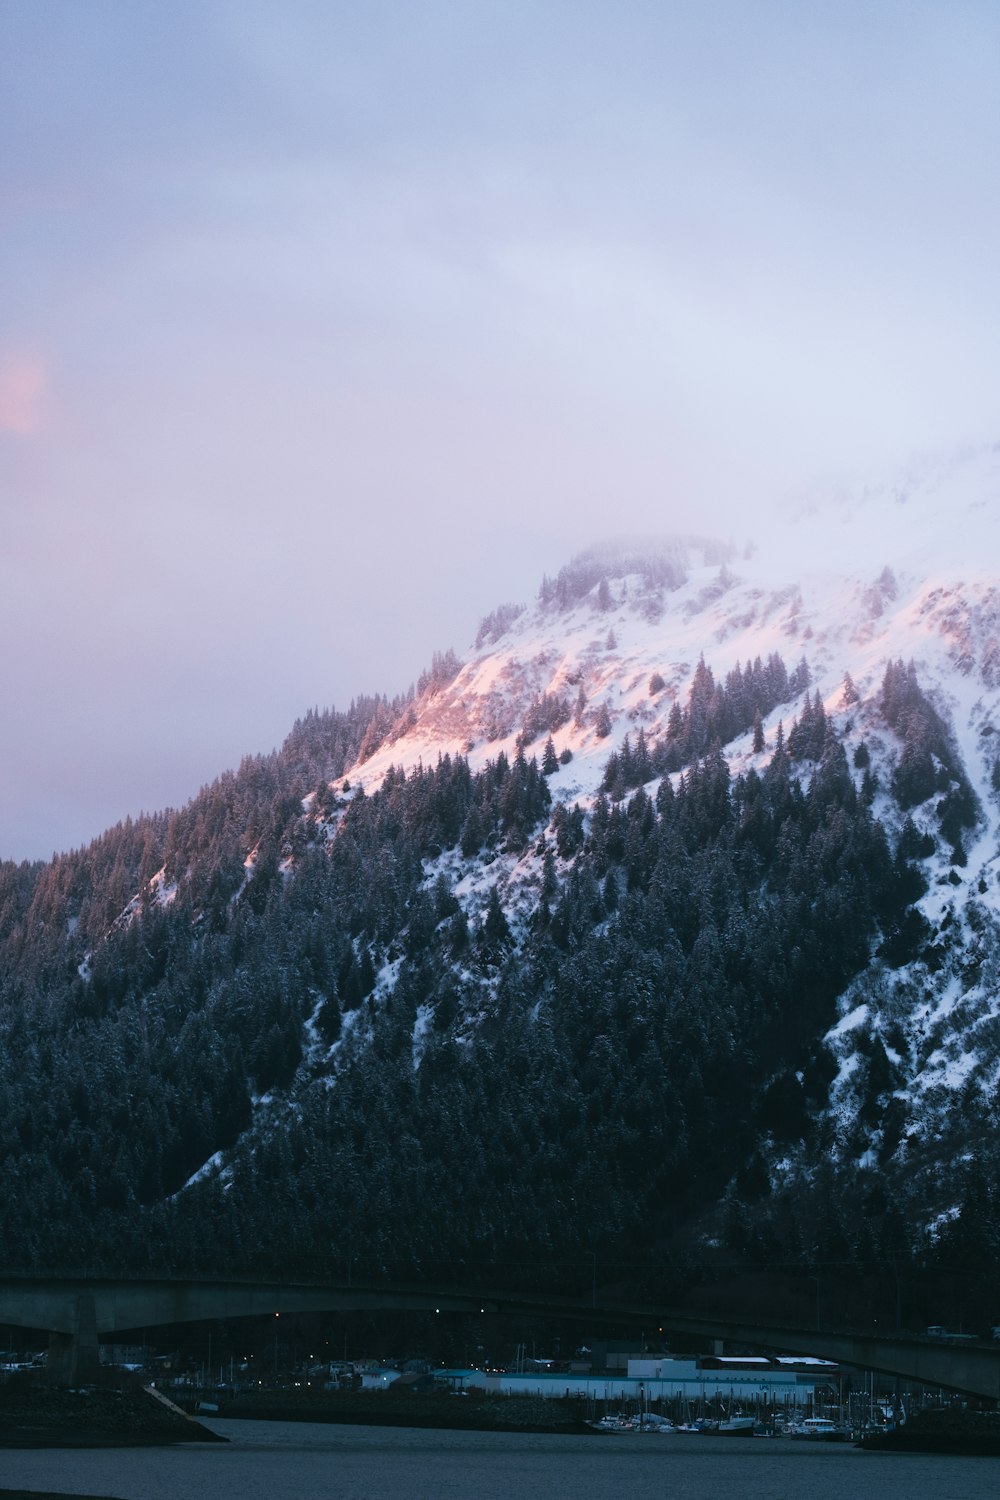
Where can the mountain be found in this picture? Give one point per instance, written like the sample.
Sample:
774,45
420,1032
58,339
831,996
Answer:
664,925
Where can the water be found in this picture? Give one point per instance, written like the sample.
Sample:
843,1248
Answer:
309,1461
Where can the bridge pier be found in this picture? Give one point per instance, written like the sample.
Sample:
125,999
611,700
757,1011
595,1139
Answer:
74,1357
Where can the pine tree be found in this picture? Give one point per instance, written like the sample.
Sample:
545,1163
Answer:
494,934
700,698
459,934
758,732
642,769
549,891
473,832
799,679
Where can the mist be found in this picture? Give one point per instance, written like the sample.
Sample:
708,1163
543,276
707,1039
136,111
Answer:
326,330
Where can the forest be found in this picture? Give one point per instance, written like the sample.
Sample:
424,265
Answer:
262,1032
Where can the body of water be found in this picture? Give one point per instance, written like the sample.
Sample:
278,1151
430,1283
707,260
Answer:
309,1461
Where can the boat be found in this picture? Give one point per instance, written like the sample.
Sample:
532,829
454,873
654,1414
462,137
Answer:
648,1422
820,1430
619,1423
736,1427
724,1427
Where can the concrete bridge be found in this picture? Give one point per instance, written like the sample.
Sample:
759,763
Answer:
77,1310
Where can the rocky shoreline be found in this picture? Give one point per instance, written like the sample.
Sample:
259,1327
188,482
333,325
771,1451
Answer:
948,1430
34,1416
414,1409
48,1495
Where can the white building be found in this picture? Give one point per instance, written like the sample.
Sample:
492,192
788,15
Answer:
743,1378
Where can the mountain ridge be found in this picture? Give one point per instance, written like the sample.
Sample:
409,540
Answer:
732,614
623,863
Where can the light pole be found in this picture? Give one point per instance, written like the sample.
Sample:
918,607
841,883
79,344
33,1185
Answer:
593,1277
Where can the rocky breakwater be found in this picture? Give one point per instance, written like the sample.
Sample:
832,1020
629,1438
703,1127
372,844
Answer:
951,1430
35,1416
473,1411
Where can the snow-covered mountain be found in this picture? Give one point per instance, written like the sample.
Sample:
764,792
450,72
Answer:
668,918
848,583
896,572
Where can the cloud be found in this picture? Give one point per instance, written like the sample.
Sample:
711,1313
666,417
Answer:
23,381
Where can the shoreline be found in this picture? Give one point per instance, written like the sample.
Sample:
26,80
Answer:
952,1431
40,1417
527,1414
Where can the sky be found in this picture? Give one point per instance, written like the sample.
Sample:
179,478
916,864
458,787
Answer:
325,328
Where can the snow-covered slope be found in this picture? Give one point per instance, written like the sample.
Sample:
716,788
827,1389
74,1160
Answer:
848,583
882,574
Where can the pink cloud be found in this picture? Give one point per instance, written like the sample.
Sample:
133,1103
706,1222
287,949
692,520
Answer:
22,392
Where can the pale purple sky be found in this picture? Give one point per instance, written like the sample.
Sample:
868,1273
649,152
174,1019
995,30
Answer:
326,327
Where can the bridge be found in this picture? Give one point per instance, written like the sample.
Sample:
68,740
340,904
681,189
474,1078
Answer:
77,1310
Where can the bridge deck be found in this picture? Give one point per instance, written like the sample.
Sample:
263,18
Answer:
79,1309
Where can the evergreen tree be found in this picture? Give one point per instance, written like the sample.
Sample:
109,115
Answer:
494,933
758,733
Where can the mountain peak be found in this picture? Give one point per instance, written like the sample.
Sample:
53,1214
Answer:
847,583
